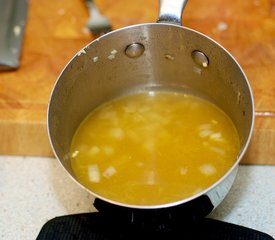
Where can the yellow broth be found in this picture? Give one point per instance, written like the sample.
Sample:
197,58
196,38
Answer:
153,148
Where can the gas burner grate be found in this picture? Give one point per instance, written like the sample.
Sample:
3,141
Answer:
95,226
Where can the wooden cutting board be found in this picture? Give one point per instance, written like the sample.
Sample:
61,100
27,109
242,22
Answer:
55,31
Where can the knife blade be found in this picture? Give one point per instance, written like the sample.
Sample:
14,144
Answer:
13,14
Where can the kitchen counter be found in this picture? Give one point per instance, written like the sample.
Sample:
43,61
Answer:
55,31
34,190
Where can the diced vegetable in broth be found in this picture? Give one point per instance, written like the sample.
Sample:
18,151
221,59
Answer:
216,136
94,150
207,169
153,147
218,150
75,153
183,170
117,133
93,173
109,172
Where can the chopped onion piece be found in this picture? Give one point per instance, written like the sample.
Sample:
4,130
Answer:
216,136
151,178
94,150
151,93
214,121
75,153
109,172
114,51
117,133
93,173
218,150
205,133
183,170
207,169
108,114
204,126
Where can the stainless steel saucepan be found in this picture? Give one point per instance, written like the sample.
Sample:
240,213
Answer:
162,55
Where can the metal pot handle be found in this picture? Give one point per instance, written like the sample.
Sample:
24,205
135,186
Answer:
170,11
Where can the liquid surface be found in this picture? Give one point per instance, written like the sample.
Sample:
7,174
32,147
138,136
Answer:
153,148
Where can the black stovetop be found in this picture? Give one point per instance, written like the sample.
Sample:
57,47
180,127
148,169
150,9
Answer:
119,223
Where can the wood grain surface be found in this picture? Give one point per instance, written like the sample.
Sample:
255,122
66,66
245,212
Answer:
55,31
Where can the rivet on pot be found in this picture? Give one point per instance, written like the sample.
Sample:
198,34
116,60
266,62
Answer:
134,50
200,58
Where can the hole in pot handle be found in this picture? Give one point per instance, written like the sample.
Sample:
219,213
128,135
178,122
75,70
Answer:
170,11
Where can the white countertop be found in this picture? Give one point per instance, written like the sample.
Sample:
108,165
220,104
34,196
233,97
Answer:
34,190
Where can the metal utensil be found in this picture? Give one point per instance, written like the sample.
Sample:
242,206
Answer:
97,23
13,14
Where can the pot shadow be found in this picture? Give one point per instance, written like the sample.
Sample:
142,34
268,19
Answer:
71,196
235,195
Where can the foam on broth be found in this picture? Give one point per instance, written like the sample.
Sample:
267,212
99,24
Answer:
153,147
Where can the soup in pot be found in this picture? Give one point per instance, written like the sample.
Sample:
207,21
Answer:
153,147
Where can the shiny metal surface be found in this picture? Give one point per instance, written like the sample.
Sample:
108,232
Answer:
93,77
134,50
13,14
200,58
170,11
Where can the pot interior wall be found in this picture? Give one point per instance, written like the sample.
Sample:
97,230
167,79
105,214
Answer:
102,71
